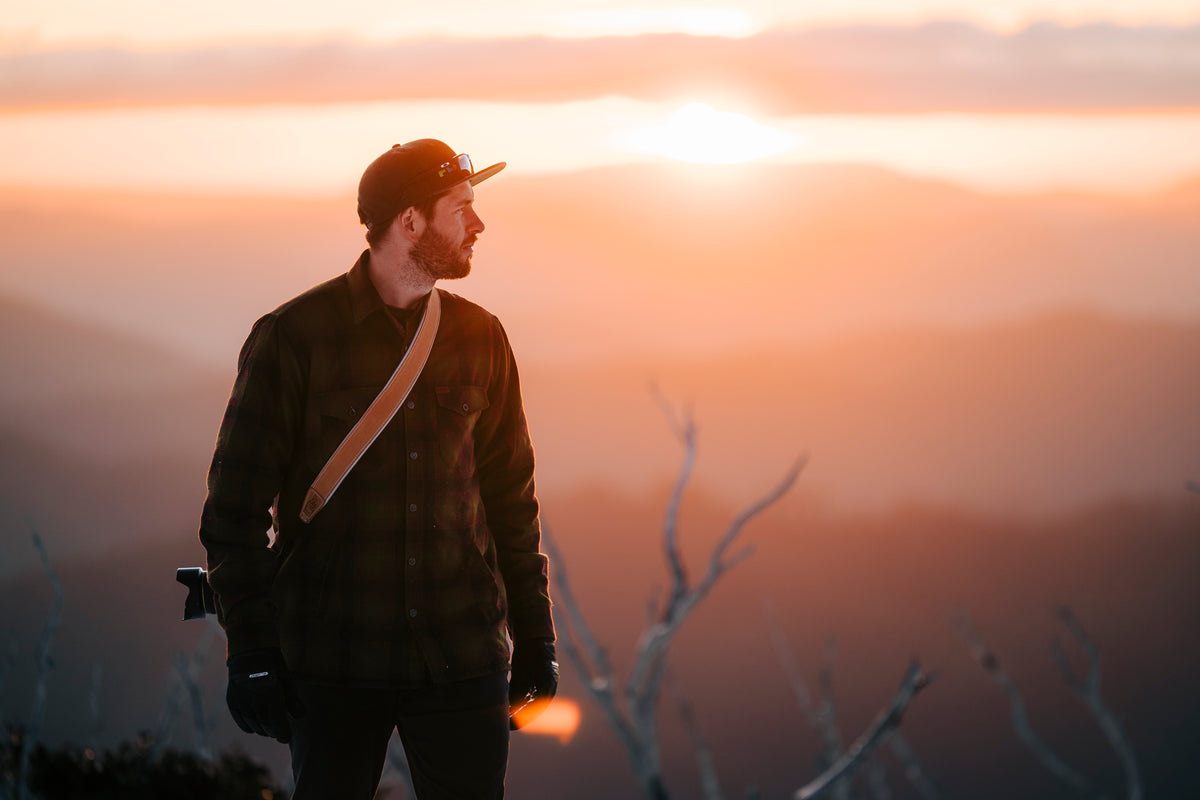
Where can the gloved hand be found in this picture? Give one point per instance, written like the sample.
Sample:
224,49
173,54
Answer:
261,694
534,680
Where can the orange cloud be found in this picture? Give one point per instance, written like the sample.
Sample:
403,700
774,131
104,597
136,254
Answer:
945,66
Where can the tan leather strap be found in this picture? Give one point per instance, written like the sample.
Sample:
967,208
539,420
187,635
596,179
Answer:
378,414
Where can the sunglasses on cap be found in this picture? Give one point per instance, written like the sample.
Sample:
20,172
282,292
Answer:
444,175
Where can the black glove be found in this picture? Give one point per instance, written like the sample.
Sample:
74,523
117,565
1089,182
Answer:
261,694
534,680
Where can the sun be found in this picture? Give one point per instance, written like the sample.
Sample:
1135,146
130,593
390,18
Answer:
700,134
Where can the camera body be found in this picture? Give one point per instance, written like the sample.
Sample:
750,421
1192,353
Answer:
201,600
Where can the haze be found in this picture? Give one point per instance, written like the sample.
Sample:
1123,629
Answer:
962,279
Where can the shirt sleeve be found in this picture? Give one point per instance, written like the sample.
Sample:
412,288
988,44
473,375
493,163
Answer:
504,457
254,445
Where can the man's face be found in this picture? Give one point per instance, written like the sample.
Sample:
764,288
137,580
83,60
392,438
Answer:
448,242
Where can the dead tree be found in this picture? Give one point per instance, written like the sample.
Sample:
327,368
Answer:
632,713
1086,688
45,663
184,682
822,719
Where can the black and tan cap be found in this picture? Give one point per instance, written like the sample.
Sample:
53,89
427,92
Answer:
409,173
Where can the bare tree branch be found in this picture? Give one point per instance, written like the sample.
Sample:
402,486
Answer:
877,779
887,721
592,664
831,734
6,662
183,681
710,786
925,785
685,429
788,660
636,725
94,704
657,638
1016,701
1088,690
44,662
913,771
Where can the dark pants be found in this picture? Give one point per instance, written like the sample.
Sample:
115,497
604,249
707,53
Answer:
455,738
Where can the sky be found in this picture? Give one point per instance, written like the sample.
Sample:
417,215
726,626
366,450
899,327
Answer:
272,97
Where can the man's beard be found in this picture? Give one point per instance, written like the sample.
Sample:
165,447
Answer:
439,257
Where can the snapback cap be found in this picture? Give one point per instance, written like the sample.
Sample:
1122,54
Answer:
411,172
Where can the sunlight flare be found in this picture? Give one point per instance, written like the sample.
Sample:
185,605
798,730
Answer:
698,133
559,718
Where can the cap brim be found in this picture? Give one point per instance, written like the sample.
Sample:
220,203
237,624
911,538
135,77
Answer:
486,172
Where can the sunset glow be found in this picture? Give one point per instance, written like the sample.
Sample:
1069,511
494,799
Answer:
700,134
41,24
944,253
627,22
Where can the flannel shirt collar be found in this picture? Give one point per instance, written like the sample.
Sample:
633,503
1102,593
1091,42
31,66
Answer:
364,297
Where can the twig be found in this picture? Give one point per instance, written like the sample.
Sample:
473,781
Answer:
823,718
685,429
925,785
710,786
1020,718
655,640
183,680
784,652
635,725
1088,690
44,662
831,734
887,720
913,771
877,779
94,705
6,663
592,664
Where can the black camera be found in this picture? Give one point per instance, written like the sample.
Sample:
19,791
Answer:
200,599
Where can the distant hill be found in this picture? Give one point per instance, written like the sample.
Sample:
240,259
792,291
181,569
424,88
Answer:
106,439
1040,415
886,588
1063,439
619,262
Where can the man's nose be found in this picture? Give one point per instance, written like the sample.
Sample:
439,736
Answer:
474,223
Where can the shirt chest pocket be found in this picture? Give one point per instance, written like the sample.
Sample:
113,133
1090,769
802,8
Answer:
458,409
330,418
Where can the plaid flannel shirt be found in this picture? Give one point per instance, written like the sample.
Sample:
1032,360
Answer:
426,560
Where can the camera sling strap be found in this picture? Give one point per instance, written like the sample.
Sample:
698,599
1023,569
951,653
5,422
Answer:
378,414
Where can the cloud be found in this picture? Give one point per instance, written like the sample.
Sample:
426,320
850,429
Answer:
942,66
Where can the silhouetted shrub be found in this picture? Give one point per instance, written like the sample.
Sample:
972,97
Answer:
136,770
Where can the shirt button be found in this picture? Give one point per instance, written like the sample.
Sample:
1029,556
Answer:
412,507
411,404
412,562
413,455
412,612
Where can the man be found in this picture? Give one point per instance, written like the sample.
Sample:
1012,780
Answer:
395,606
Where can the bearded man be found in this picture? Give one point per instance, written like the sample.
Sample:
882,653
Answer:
406,599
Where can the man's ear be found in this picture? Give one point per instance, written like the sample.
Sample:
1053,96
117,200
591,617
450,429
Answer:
412,223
